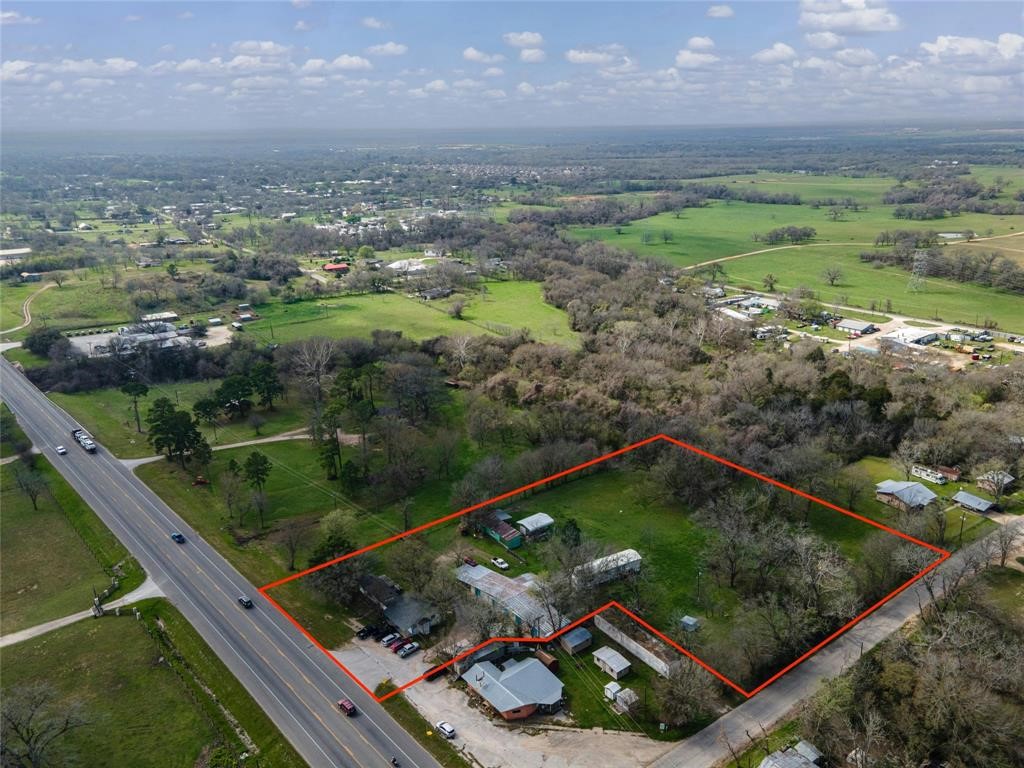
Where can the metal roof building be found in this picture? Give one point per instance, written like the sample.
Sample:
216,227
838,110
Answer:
514,595
972,502
612,662
909,494
535,524
517,690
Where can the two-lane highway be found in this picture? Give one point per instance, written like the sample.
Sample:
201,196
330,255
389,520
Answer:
294,683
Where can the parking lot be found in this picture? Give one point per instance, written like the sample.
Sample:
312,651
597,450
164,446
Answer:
494,743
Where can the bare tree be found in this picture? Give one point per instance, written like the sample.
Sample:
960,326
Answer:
1007,538
832,275
907,454
294,535
30,482
232,490
313,362
684,695
32,722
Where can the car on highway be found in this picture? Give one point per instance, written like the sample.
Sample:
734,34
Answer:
499,563
408,650
244,601
61,450
178,538
347,707
388,639
446,729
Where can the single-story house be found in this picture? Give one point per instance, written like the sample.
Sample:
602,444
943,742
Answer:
608,568
802,755
432,294
30,277
214,321
907,336
950,473
407,614
974,503
576,640
536,525
850,325
908,496
160,317
496,526
337,269
732,314
996,482
513,595
612,662
518,689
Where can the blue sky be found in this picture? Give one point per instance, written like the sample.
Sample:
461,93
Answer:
210,65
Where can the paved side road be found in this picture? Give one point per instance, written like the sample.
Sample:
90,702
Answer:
709,747
295,684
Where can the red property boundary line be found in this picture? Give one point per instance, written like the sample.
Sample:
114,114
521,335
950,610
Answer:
943,556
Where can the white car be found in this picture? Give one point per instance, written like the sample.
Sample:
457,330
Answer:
499,563
445,729
61,450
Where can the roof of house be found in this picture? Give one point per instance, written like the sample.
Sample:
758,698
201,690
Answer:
406,611
536,522
515,595
971,501
910,493
519,684
849,323
997,476
505,531
610,562
612,659
786,758
576,636
378,589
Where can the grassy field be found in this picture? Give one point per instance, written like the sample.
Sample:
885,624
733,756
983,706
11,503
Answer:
108,415
724,228
53,557
862,284
138,711
505,308
1005,587
79,303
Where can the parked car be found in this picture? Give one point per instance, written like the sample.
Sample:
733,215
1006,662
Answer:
445,729
397,643
178,538
347,707
244,601
469,561
499,563
408,650
365,632
390,638
61,450
379,632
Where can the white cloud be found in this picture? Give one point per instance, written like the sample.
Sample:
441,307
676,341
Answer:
312,82
10,18
186,16
719,12
856,57
347,62
824,41
131,19
853,16
258,83
525,89
56,86
494,72
19,71
436,86
1005,48
371,22
302,26
576,56
467,84
472,54
389,48
107,67
524,39
259,48
495,93
777,54
532,55
691,60
92,83
700,44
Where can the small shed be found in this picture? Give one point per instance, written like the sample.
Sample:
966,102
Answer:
626,702
535,526
690,623
974,503
576,640
611,690
214,321
548,660
612,662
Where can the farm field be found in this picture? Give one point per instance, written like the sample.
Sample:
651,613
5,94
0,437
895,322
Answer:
79,303
724,228
863,283
50,571
506,307
109,416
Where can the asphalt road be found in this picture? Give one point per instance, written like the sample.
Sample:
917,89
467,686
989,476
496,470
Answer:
294,683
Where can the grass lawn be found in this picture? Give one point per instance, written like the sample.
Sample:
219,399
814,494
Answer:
1005,587
26,358
12,296
108,415
139,712
54,557
421,730
505,308
784,736
80,303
